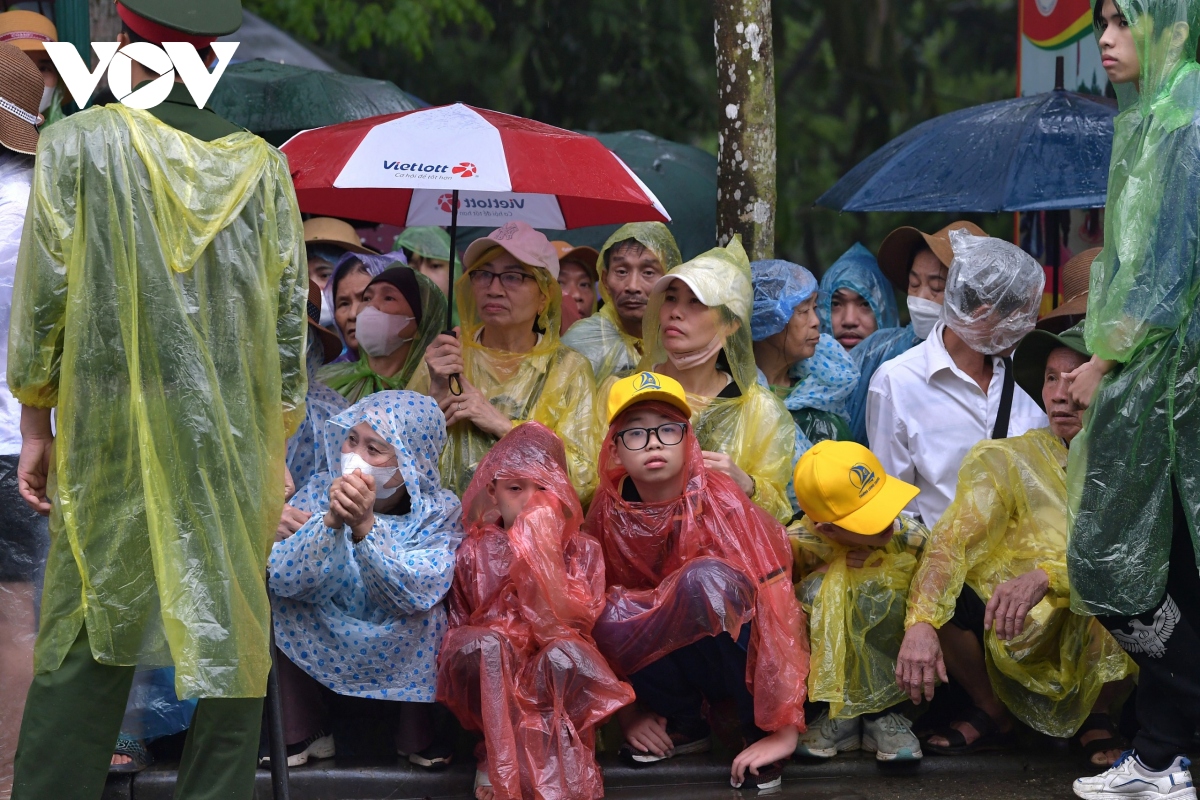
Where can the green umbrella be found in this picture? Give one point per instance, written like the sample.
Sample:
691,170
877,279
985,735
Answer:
277,101
682,177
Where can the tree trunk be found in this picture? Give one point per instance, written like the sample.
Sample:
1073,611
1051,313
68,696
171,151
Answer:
105,22
746,133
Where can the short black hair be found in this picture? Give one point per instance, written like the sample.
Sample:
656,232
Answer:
625,244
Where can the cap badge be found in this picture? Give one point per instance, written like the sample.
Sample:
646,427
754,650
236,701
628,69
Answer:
647,380
863,478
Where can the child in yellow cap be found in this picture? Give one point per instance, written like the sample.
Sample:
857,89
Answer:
854,558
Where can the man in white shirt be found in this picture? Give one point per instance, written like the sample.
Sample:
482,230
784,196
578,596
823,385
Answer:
929,406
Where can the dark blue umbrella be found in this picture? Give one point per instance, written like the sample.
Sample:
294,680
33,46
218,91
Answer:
1043,152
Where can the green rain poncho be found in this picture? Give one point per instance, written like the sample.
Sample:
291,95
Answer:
1009,516
600,337
159,306
1140,434
754,428
354,380
430,241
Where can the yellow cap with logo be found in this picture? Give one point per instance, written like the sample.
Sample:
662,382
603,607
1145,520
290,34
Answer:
642,386
843,483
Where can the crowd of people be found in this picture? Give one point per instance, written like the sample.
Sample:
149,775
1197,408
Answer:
628,499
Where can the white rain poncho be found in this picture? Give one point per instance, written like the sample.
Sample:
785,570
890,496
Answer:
1009,516
600,337
367,619
306,447
1138,446
160,307
993,292
857,270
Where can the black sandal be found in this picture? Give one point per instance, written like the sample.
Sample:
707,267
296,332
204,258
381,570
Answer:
139,757
1098,722
990,737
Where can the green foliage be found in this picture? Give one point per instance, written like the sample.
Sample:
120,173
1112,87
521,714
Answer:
850,75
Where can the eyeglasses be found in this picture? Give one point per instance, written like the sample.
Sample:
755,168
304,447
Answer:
509,280
668,434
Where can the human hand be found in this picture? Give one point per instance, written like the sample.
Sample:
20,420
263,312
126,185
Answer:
1013,600
771,748
444,357
292,520
919,664
1083,382
473,407
289,485
33,469
354,502
645,731
723,463
856,558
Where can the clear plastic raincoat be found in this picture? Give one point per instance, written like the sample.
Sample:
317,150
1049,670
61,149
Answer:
857,270
1138,443
551,384
306,455
365,619
705,563
882,345
519,663
354,380
600,337
855,616
160,307
993,292
1009,516
754,429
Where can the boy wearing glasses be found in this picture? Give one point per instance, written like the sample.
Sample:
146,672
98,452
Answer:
699,604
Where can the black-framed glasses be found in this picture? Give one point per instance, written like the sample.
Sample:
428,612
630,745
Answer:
509,280
668,434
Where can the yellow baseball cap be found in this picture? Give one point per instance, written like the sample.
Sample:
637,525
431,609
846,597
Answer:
643,386
844,483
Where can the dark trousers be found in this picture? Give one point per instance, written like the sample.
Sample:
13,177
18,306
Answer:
712,669
1164,643
73,715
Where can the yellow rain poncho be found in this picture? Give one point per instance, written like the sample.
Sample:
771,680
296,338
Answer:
1009,516
855,616
551,384
1138,447
754,428
600,337
159,306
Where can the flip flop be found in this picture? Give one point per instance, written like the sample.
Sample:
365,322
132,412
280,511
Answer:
990,737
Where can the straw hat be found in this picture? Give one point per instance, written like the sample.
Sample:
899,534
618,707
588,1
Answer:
327,230
20,95
28,30
896,252
1073,281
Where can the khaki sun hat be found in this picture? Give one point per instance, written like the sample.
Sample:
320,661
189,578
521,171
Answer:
897,251
20,95
1073,280
27,30
336,232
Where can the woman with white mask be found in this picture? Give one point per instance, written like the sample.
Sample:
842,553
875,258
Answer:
400,314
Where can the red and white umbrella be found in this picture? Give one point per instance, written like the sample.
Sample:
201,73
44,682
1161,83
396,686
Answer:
404,169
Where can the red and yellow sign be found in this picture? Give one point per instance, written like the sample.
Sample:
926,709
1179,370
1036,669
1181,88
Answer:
1053,24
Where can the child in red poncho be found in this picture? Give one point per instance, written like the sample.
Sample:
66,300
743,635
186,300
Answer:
518,662
700,606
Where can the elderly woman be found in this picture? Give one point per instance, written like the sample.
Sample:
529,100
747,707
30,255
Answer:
805,368
356,591
401,313
344,291
697,328
630,263
856,298
509,364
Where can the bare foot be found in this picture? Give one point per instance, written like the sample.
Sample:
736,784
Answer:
1104,758
120,760
484,793
969,733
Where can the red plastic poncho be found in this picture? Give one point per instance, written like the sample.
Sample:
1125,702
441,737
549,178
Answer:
518,662
654,609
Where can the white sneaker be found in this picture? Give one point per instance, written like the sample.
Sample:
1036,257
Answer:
890,738
1130,779
826,737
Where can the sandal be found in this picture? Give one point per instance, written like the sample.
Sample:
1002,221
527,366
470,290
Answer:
135,750
990,736
1098,722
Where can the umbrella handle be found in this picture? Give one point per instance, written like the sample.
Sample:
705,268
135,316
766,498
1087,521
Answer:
455,383
455,386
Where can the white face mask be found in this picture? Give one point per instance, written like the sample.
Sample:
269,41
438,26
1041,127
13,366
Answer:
326,312
924,315
353,461
47,95
378,333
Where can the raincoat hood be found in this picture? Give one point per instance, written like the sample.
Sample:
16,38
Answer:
410,422
548,321
427,241
993,292
779,286
858,271
654,236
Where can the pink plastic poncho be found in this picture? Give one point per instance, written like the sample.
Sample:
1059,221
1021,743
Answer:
657,611
519,663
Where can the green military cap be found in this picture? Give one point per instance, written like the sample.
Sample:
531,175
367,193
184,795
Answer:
1029,359
206,19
